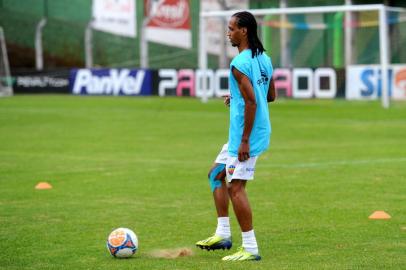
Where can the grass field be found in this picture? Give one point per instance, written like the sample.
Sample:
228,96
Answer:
142,163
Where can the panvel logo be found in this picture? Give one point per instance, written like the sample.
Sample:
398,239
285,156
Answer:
110,82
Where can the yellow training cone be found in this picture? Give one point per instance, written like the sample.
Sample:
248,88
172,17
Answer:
379,215
43,185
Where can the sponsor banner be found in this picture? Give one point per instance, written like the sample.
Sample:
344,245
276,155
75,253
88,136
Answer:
132,82
169,22
302,83
189,82
115,16
305,83
51,81
364,82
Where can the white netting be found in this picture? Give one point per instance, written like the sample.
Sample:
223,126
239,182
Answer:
318,38
333,37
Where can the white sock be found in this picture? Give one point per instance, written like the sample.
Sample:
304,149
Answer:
223,227
249,242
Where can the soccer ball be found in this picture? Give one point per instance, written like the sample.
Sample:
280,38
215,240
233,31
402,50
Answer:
122,243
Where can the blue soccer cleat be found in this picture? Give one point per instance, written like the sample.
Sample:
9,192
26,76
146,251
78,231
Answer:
215,242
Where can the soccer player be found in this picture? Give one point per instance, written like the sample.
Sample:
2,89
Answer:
251,88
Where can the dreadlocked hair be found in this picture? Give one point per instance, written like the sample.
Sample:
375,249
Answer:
246,19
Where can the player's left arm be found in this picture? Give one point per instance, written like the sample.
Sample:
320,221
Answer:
248,95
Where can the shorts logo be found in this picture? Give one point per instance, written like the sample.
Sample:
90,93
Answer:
250,169
231,169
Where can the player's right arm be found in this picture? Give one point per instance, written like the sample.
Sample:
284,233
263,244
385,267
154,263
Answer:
271,92
247,93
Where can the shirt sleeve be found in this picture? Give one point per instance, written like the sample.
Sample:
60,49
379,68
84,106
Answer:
243,66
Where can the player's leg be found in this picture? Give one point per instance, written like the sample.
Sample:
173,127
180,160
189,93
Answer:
220,193
239,174
241,205
218,186
221,201
222,237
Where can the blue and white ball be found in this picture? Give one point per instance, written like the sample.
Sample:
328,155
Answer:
122,243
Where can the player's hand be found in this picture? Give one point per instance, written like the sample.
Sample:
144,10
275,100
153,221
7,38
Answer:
244,151
226,100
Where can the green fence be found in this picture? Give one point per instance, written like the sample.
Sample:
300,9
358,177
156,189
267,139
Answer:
63,36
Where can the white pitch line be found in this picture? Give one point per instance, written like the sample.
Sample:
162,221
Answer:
334,163
130,160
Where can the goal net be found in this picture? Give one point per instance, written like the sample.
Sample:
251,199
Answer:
6,88
318,41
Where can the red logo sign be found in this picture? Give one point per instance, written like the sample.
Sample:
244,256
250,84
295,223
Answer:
400,79
171,14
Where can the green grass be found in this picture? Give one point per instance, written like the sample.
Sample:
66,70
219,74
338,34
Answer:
142,163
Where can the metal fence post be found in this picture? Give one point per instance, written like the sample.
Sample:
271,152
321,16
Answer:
89,45
39,57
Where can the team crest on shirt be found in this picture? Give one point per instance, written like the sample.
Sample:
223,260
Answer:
231,169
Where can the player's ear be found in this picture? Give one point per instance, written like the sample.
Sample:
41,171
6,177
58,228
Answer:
244,30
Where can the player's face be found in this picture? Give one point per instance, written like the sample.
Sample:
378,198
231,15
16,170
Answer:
234,33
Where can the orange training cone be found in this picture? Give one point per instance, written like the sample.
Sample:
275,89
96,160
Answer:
379,215
43,185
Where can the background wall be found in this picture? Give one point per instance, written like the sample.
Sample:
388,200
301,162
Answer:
63,37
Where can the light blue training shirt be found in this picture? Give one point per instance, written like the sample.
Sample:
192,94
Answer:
259,71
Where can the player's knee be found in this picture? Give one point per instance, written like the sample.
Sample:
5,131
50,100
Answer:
214,179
